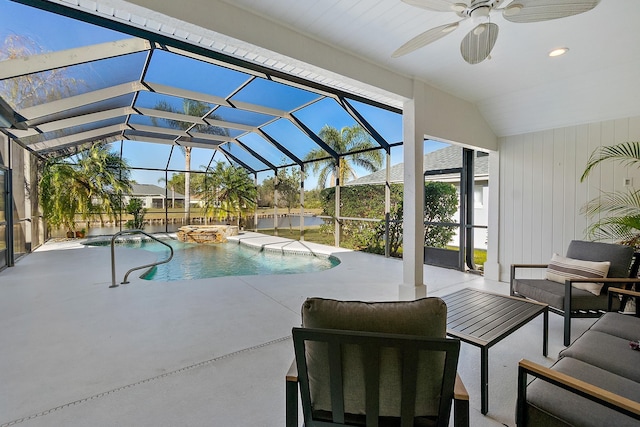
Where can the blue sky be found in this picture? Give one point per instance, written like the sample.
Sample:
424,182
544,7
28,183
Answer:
53,32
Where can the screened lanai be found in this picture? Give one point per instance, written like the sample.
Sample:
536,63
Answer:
129,90
152,99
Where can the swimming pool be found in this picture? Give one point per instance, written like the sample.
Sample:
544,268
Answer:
200,261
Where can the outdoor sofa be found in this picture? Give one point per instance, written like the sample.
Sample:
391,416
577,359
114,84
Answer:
595,382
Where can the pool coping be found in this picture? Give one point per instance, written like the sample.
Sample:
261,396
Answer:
283,245
253,240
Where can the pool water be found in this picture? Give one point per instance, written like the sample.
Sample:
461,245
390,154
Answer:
199,261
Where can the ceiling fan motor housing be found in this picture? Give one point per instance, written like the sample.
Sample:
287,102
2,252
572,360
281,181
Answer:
479,8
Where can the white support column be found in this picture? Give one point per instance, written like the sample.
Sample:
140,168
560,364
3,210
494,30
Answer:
414,113
301,203
255,210
337,229
387,186
275,206
27,225
492,265
387,202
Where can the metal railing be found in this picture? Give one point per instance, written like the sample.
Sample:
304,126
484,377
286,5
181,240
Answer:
113,256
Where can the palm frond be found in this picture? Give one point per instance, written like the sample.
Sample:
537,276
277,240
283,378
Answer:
616,202
346,140
622,229
627,153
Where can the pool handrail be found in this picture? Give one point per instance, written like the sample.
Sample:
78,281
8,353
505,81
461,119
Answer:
113,256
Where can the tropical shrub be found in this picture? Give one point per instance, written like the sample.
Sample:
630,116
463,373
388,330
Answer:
367,201
358,201
440,204
137,210
618,212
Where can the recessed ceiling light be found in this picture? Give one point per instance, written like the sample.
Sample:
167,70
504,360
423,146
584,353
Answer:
558,52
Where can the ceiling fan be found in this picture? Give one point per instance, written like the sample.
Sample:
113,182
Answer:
477,44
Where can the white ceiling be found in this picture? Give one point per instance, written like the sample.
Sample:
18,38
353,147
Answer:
518,90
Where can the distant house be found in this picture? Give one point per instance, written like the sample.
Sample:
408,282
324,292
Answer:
156,197
446,158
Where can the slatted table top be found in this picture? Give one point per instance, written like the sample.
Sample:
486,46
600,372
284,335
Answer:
483,318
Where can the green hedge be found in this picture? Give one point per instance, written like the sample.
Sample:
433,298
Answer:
368,201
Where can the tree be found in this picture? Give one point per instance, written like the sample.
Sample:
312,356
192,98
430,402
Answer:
174,184
266,192
135,208
92,186
59,195
195,109
618,211
36,88
348,139
288,187
229,190
106,177
312,199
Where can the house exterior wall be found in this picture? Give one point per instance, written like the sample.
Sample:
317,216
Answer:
540,190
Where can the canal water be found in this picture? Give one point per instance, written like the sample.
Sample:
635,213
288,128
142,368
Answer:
263,223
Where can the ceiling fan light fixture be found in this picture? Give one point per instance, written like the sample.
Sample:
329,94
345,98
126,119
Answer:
512,9
480,12
458,7
479,29
558,52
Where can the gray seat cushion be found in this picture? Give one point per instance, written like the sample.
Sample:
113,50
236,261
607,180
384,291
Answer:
619,325
619,255
552,293
546,399
607,352
425,317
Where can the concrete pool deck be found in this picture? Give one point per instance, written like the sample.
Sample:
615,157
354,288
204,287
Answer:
207,352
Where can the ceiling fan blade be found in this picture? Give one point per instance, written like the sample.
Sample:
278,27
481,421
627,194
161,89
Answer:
435,5
424,39
544,10
477,44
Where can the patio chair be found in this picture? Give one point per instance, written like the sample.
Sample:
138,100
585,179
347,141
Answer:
576,285
375,364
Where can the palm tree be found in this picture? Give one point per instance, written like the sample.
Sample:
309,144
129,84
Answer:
175,183
90,187
197,109
348,139
621,209
229,190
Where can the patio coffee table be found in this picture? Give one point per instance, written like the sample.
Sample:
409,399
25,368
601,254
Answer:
483,319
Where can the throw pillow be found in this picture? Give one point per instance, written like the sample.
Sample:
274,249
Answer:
562,268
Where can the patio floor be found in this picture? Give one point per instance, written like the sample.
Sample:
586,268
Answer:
202,352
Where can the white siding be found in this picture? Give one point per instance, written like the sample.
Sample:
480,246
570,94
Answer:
541,194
